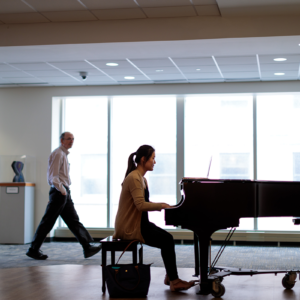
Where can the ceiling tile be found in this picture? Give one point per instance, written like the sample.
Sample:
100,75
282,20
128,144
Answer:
32,66
121,71
203,75
241,75
280,67
109,4
160,71
91,72
25,80
11,74
48,73
197,69
204,2
169,12
195,61
14,6
259,7
70,16
23,18
208,10
137,77
154,63
99,79
101,64
55,5
118,14
5,67
71,65
232,60
163,3
270,58
239,68
74,83
293,74
63,79
167,77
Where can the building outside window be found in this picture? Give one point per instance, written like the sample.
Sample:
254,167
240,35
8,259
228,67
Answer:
86,118
220,127
136,121
235,166
278,145
296,166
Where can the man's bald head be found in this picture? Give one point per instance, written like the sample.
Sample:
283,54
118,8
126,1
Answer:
67,139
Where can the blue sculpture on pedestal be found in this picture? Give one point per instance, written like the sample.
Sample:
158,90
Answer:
18,166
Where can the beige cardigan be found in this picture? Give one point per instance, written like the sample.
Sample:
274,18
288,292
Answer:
131,205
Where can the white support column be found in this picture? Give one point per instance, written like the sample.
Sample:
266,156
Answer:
254,148
108,157
180,143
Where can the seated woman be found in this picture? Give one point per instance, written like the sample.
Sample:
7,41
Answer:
132,217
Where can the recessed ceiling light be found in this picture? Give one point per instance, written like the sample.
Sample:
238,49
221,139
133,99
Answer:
112,64
280,59
129,77
279,74
198,69
159,70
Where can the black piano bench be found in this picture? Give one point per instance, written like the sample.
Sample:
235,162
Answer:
113,245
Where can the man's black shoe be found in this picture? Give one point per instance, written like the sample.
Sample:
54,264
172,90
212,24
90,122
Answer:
36,254
91,250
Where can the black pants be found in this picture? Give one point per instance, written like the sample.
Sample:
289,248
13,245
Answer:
60,205
157,237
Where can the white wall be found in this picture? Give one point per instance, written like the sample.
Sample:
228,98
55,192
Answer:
25,128
25,116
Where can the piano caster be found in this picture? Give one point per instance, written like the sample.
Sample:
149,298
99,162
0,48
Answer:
218,289
288,281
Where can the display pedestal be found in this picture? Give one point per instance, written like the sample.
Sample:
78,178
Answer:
16,212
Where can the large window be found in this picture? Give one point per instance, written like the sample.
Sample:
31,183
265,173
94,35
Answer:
220,133
278,144
219,130
86,118
136,121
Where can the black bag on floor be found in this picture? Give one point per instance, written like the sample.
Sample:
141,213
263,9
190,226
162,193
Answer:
128,280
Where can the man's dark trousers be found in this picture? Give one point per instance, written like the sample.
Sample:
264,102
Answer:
60,205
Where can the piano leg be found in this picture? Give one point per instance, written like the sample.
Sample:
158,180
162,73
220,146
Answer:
204,243
196,253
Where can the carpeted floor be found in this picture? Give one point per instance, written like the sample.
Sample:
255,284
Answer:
250,257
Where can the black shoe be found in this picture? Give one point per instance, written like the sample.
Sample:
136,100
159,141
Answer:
36,254
91,250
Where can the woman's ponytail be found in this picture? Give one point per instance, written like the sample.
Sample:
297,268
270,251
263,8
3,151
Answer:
131,164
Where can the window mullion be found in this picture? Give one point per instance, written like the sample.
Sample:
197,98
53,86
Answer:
179,144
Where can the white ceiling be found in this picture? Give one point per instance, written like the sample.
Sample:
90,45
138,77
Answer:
213,60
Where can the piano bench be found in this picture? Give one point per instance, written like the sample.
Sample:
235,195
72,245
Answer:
113,245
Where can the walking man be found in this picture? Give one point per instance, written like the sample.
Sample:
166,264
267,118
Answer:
60,203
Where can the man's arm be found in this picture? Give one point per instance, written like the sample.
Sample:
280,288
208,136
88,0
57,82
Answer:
55,163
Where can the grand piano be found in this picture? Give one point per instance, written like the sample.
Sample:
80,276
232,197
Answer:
208,205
